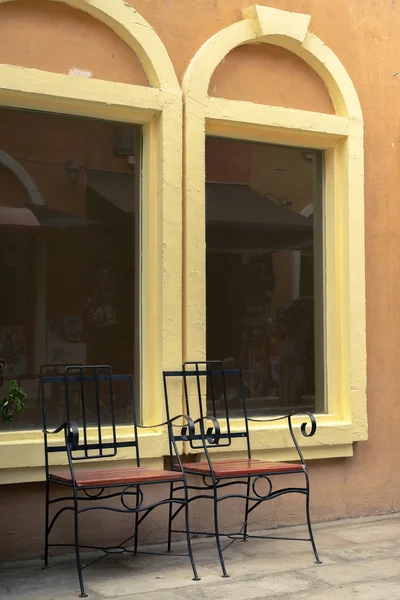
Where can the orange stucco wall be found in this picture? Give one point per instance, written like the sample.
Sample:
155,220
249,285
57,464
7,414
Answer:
55,37
365,35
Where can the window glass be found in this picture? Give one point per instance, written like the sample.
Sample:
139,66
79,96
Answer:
264,234
69,250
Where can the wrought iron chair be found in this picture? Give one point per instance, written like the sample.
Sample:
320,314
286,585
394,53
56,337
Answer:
205,386
98,437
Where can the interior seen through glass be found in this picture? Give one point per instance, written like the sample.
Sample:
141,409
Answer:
69,267
265,272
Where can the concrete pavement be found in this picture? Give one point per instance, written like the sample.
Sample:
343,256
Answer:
361,560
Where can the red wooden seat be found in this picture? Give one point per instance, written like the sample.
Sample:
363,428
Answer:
226,468
115,476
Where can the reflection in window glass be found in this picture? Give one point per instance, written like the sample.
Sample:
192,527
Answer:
265,271
69,250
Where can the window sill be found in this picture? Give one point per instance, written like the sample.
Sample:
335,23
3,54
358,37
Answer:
334,439
22,453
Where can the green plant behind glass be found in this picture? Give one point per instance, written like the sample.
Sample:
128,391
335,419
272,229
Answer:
13,403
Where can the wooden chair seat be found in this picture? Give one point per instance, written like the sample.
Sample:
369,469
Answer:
116,476
235,468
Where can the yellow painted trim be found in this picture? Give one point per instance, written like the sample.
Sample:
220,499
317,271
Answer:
159,110
290,454
341,136
13,448
30,474
25,87
276,117
136,32
22,452
281,28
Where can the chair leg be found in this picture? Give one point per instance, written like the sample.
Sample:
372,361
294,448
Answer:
46,538
171,495
217,538
77,553
314,547
189,541
135,544
246,511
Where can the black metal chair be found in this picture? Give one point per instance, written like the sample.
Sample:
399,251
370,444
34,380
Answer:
98,437
207,385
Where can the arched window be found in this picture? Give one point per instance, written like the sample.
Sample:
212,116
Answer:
338,224
141,126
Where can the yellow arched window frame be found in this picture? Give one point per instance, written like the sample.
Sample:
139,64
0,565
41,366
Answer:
158,108
341,137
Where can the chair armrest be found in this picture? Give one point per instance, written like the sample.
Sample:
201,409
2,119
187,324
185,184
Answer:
187,434
71,433
289,418
187,431
303,427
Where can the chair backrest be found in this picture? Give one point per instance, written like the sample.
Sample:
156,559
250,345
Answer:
91,396
212,393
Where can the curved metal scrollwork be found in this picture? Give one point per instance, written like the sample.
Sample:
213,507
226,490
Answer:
209,484
94,496
212,434
303,429
253,487
187,431
71,433
139,497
